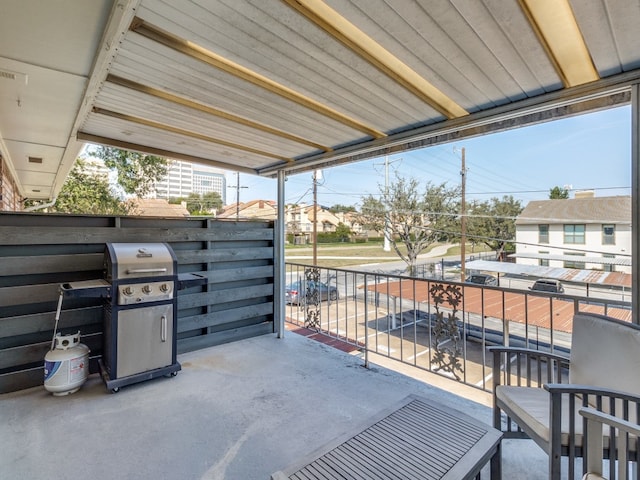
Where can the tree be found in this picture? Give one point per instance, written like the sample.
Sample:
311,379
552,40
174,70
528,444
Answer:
493,223
212,201
87,193
137,173
204,204
343,232
558,193
413,218
338,208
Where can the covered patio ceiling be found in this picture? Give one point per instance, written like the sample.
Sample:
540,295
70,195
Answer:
259,86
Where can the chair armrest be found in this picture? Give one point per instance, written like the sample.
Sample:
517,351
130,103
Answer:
594,441
603,400
527,351
590,390
604,418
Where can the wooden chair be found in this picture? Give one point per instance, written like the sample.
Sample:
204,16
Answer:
625,434
538,394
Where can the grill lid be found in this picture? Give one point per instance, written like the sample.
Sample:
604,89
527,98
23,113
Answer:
139,260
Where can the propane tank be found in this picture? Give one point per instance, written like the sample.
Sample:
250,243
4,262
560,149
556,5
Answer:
66,366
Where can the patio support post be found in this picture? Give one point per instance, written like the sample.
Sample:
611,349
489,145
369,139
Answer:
635,200
279,266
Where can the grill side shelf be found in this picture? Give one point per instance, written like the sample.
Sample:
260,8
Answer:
89,288
187,280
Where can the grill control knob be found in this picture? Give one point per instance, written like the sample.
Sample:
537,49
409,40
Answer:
127,291
147,289
164,288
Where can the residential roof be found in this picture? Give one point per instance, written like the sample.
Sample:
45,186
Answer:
621,260
158,207
290,85
618,279
614,210
255,206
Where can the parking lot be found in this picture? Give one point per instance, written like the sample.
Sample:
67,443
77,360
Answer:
400,320
406,337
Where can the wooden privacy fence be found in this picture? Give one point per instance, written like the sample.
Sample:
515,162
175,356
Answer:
39,252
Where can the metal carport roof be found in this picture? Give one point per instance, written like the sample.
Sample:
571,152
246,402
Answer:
260,86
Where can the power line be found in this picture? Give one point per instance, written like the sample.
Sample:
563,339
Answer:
539,245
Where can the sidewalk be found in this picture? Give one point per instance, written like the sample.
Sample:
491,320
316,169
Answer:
435,252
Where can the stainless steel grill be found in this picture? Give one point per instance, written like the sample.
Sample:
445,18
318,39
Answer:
140,311
140,320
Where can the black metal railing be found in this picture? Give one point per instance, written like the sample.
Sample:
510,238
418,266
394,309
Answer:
441,326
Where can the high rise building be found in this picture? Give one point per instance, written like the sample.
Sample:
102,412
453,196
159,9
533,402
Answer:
185,178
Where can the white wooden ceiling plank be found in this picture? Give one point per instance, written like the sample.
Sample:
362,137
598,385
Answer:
533,66
609,28
334,73
411,33
495,55
297,54
142,135
199,82
119,99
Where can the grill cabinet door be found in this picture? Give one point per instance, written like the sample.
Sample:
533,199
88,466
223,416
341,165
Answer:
145,339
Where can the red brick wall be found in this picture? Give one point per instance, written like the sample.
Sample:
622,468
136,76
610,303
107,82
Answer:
10,200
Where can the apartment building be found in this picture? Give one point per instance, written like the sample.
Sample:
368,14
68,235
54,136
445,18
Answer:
586,233
185,178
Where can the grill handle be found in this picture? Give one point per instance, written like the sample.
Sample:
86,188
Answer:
146,270
163,331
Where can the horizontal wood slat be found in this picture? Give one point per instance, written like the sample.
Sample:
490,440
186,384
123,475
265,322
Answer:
34,353
38,252
61,235
50,264
227,336
224,316
43,322
224,296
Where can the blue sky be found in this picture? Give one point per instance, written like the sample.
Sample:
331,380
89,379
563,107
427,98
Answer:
587,152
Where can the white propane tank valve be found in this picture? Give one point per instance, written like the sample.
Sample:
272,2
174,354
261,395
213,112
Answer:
66,366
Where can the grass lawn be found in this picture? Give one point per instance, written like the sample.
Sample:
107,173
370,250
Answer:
354,253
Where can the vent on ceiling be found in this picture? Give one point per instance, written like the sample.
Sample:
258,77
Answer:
8,75
35,159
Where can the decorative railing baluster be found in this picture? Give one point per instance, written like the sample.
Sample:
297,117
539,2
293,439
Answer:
448,344
312,298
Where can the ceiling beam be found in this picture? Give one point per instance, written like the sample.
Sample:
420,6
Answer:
600,95
212,59
112,142
359,42
187,133
185,102
558,31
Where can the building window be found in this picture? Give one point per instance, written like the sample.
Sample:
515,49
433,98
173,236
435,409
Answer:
574,234
543,262
608,267
543,233
608,234
574,264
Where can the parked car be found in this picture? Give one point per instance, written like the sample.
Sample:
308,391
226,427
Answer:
296,292
482,279
547,285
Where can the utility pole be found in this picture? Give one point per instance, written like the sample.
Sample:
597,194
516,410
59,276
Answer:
463,219
387,244
315,218
237,187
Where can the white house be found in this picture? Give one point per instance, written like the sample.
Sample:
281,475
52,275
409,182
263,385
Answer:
585,232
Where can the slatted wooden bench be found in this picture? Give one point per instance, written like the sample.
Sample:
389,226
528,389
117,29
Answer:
415,439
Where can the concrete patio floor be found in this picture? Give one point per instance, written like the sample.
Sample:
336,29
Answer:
236,411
